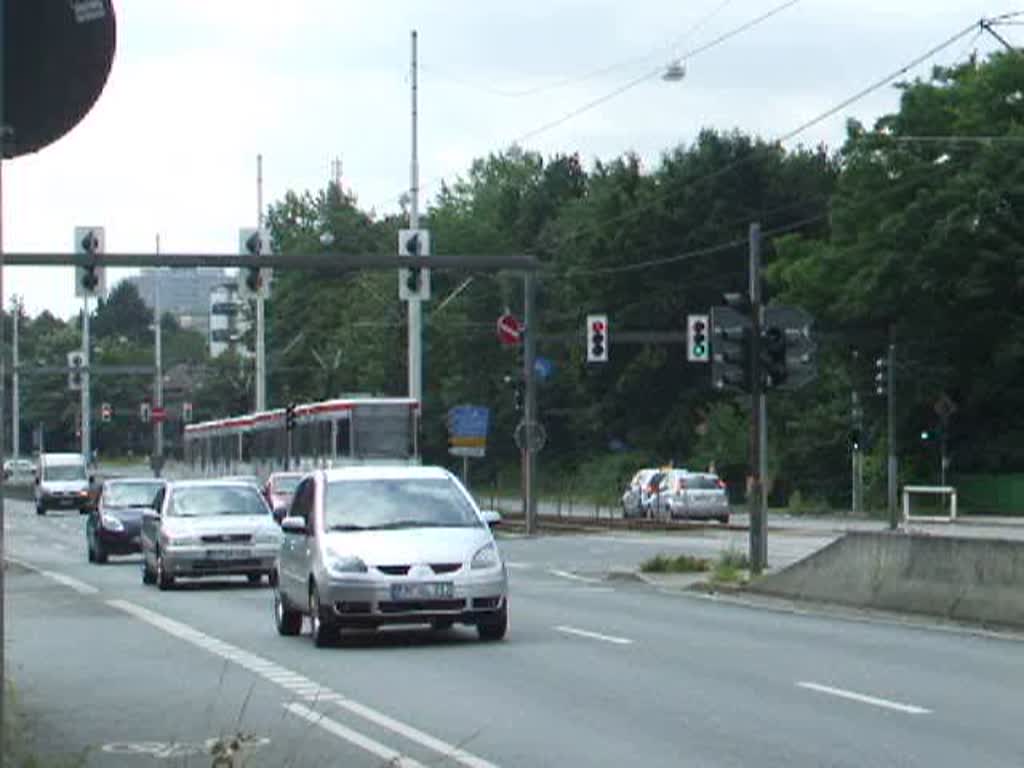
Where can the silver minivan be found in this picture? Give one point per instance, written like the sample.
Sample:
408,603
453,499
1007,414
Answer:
369,546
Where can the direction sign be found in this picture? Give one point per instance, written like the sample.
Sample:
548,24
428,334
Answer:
467,430
510,330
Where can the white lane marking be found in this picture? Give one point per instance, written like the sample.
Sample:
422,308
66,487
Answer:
524,566
79,586
909,709
575,577
448,750
594,635
296,683
335,728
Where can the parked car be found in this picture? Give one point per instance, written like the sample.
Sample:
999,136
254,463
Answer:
370,546
641,491
209,528
62,483
18,469
114,527
692,495
278,491
252,480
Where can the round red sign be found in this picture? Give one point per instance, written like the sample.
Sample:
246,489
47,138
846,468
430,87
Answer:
510,330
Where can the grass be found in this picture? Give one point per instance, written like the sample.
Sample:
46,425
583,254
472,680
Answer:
731,567
17,750
678,564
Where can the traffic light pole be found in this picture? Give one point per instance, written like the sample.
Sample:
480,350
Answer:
86,424
758,416
415,305
529,453
158,380
261,320
890,390
15,394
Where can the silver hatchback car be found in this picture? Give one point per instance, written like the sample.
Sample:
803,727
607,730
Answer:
365,547
208,528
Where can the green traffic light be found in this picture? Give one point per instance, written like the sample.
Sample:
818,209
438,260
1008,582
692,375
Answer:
924,435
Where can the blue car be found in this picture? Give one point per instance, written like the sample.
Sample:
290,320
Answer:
114,526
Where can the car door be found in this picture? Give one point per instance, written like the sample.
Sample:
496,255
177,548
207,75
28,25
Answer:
294,553
150,531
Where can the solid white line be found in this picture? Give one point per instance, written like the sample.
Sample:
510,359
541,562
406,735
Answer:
594,635
575,577
449,751
390,756
518,565
79,586
909,709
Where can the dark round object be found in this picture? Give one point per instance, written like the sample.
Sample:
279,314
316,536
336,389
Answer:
57,57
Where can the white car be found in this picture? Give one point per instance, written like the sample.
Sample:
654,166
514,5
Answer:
368,546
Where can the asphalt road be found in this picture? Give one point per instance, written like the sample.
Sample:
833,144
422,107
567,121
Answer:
592,674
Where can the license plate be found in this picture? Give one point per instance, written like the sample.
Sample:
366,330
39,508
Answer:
228,554
422,591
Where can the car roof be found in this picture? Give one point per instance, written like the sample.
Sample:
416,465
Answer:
213,483
274,475
135,480
388,472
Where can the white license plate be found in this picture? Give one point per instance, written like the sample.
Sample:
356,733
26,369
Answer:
228,554
432,590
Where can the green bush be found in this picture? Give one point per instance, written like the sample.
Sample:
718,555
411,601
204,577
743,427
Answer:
730,565
678,564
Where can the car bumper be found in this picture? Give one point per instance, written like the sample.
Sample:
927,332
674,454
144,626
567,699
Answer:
700,513
225,561
64,502
123,542
369,601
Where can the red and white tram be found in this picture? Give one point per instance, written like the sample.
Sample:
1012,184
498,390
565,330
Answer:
325,434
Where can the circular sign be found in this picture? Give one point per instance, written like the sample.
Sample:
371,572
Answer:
57,57
510,330
531,436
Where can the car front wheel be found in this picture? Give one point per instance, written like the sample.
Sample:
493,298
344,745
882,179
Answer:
288,622
323,630
148,577
163,579
495,628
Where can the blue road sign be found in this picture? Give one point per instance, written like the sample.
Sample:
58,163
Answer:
544,368
469,421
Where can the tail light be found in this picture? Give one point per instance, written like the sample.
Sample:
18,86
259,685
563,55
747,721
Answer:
680,485
721,484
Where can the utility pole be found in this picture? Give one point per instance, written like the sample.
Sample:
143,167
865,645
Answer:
758,421
857,469
15,396
891,429
415,306
86,422
158,382
261,349
529,453
3,552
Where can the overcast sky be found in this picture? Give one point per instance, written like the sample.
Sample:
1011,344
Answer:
199,87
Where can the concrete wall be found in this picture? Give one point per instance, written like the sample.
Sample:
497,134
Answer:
977,580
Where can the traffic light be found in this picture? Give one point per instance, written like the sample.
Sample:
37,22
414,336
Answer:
75,362
289,417
697,349
90,280
731,341
881,375
855,439
254,281
597,338
145,413
186,412
773,357
106,412
925,435
414,282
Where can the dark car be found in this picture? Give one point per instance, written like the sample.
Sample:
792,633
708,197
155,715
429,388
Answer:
115,523
278,491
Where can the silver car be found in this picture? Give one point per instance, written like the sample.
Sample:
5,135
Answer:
693,495
208,528
369,546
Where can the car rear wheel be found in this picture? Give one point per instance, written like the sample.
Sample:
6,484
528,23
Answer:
495,628
40,509
323,630
288,622
163,579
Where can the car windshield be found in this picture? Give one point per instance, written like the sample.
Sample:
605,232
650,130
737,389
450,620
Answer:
215,500
62,473
397,503
130,494
285,484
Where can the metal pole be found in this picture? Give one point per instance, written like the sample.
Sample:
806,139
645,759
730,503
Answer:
261,341
15,392
758,458
465,471
415,307
3,553
856,501
158,382
890,389
86,386
530,405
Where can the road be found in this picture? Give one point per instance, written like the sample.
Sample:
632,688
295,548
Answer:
593,673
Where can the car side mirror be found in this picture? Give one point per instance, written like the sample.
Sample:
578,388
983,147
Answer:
280,513
295,525
92,479
151,514
492,517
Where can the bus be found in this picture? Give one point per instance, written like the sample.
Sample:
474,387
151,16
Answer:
325,434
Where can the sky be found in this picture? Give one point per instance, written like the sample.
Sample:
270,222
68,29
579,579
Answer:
199,88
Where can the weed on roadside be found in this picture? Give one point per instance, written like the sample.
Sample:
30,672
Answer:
678,564
731,567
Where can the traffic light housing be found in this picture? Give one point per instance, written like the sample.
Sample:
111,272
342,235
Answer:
186,412
106,412
90,279
145,413
773,357
75,362
597,338
414,282
254,281
289,417
698,349
881,375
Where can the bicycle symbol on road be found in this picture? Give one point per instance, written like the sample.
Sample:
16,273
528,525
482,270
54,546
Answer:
167,750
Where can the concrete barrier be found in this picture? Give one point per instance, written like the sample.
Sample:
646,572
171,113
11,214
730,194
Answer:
976,580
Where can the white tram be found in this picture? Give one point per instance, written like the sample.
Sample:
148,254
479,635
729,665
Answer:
325,434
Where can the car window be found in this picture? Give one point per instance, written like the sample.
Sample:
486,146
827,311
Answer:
397,503
62,473
286,484
302,502
130,494
702,482
215,500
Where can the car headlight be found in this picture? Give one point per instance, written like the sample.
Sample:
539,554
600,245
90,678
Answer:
111,523
178,540
339,563
269,536
485,557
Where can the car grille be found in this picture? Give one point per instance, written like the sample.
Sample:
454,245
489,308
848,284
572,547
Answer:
227,538
485,603
349,607
224,565
406,606
402,570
